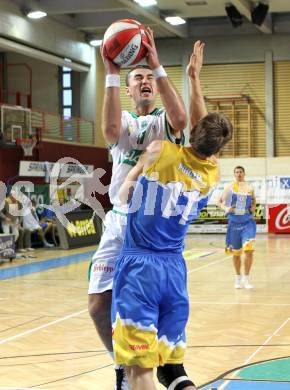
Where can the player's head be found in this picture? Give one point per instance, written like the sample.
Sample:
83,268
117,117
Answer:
239,173
210,134
141,85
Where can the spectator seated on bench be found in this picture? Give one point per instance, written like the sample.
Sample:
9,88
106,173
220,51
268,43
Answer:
31,222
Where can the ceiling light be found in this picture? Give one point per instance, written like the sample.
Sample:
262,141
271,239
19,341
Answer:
259,13
195,3
174,20
146,3
236,18
36,14
93,39
95,42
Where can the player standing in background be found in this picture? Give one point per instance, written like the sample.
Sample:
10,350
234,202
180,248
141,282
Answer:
128,134
239,203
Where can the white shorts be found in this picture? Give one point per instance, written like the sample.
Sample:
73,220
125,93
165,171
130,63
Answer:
103,263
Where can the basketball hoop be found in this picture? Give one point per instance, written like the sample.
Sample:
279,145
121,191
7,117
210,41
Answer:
27,145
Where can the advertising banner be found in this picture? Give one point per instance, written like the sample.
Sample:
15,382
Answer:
7,246
213,220
83,229
279,218
270,191
40,169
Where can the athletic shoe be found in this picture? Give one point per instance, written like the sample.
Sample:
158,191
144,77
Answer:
121,379
22,250
30,249
238,280
48,245
246,283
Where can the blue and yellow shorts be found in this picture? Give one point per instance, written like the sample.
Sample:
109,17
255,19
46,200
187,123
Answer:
240,237
150,309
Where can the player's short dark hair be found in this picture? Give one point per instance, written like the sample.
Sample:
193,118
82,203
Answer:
210,134
240,167
131,70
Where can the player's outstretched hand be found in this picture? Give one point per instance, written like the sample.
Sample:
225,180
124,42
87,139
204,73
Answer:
152,58
110,66
229,210
196,60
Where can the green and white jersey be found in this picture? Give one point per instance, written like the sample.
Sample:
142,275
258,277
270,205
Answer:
137,132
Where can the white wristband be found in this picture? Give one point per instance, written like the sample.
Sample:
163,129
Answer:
159,72
112,80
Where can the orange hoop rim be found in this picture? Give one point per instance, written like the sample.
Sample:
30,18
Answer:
25,141
27,145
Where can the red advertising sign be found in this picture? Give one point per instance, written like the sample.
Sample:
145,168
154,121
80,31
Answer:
279,218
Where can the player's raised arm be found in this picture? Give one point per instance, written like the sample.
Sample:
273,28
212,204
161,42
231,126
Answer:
111,116
197,107
171,100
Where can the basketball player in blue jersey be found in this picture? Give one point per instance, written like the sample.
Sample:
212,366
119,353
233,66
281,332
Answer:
150,302
128,134
239,203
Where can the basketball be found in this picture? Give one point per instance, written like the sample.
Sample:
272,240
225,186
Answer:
123,42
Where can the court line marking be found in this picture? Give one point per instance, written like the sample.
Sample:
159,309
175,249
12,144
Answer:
237,303
43,265
3,341
224,385
209,264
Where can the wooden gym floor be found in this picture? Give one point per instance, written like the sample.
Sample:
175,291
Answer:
47,340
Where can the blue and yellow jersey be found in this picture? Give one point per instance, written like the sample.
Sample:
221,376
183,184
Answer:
168,196
240,197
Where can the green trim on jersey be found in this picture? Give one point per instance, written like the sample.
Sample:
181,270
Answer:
182,141
119,212
170,136
133,114
154,112
131,157
136,116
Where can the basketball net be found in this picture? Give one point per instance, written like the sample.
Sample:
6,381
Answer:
27,145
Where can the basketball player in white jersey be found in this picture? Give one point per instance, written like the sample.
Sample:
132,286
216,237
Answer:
128,134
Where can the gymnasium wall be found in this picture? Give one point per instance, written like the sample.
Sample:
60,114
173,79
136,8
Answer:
225,49
256,166
272,131
282,105
48,35
58,39
45,89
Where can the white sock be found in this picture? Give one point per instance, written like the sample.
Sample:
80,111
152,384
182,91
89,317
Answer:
111,353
